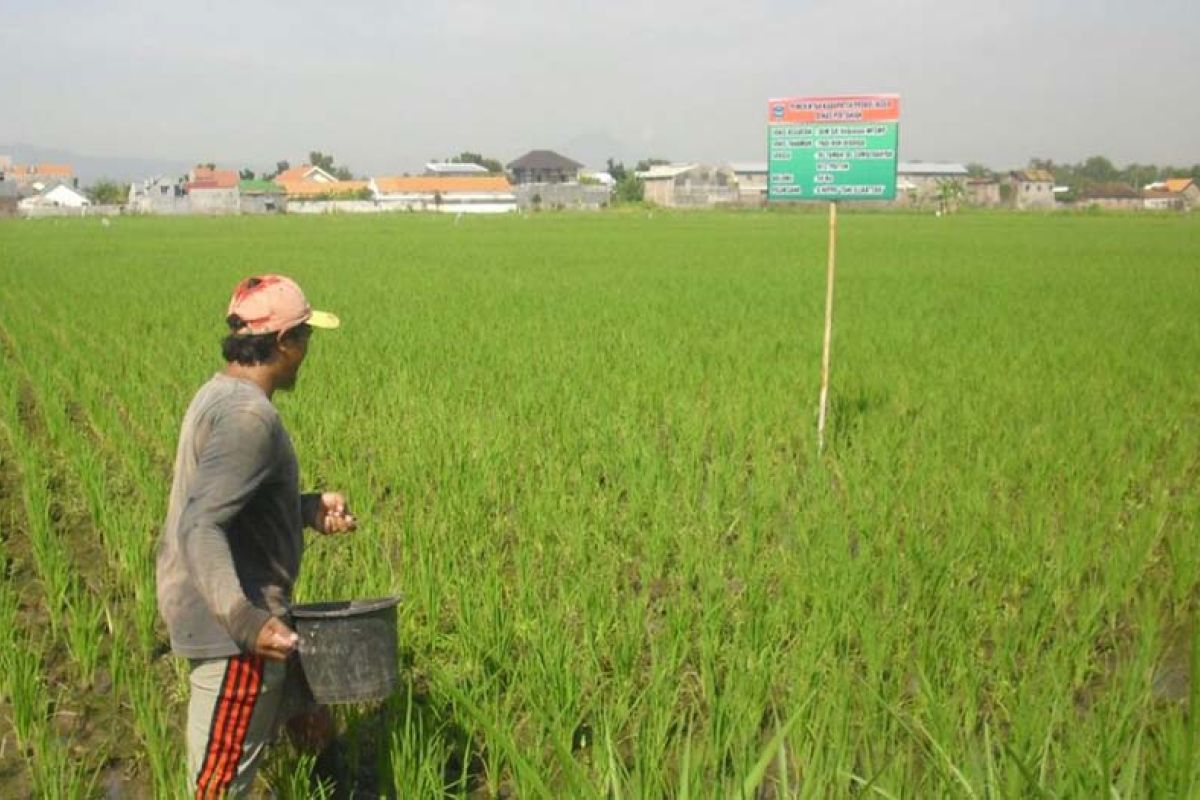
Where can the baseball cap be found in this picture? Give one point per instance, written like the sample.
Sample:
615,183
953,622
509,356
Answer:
273,304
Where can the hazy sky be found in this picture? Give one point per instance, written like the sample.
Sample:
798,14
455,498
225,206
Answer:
385,86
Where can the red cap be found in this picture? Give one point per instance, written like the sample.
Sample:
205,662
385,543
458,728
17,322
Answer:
273,304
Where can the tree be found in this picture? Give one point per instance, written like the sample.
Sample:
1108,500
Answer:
467,157
977,170
630,189
1098,169
647,163
280,168
246,174
325,162
1138,175
105,192
321,160
616,169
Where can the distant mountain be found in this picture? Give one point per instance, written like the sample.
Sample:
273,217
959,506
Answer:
89,169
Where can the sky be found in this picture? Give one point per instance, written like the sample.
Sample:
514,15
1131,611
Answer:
387,86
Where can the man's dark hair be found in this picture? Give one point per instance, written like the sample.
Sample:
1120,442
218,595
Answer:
249,349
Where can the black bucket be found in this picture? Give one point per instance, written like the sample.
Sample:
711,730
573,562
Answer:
348,649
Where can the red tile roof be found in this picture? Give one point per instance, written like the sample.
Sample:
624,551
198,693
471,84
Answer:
48,170
205,178
300,173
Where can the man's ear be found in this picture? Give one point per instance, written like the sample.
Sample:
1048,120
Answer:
285,346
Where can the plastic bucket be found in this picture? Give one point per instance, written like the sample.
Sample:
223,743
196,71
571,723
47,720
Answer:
348,649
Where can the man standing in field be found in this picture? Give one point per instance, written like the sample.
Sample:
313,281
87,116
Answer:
231,547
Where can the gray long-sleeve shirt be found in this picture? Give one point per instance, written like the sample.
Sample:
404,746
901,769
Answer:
231,546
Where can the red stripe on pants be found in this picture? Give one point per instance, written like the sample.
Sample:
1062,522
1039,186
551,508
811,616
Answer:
232,734
242,725
221,714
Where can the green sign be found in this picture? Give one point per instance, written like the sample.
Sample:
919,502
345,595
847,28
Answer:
832,148
832,162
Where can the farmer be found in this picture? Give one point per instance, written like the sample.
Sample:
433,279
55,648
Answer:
231,546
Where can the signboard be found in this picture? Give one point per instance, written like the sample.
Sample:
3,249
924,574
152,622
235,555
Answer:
832,148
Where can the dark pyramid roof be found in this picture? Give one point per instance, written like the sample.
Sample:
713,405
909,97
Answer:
544,159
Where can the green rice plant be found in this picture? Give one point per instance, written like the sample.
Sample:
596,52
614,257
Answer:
582,450
165,763
56,773
85,616
24,691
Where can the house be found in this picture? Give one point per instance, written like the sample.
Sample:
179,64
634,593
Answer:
1159,199
929,182
454,168
456,194
58,196
688,185
213,191
1114,196
1176,194
307,182
305,173
983,192
158,195
544,166
751,179
1032,188
260,197
42,175
1185,188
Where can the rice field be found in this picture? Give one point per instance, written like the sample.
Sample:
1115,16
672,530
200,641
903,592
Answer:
583,450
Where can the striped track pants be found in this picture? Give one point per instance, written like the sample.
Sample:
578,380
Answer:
232,715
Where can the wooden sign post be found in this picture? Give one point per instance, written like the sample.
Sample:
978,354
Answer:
832,148
829,272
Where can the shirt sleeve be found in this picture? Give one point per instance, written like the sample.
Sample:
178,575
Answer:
234,462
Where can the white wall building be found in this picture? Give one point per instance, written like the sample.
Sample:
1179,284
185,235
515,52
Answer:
57,196
454,194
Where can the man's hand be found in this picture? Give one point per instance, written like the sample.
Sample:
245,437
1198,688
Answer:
276,641
333,516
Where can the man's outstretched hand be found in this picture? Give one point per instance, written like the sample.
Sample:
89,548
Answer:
333,516
275,641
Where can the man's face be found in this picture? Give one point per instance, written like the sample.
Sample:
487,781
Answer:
293,347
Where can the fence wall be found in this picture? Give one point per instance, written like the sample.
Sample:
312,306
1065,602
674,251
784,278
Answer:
562,195
41,212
